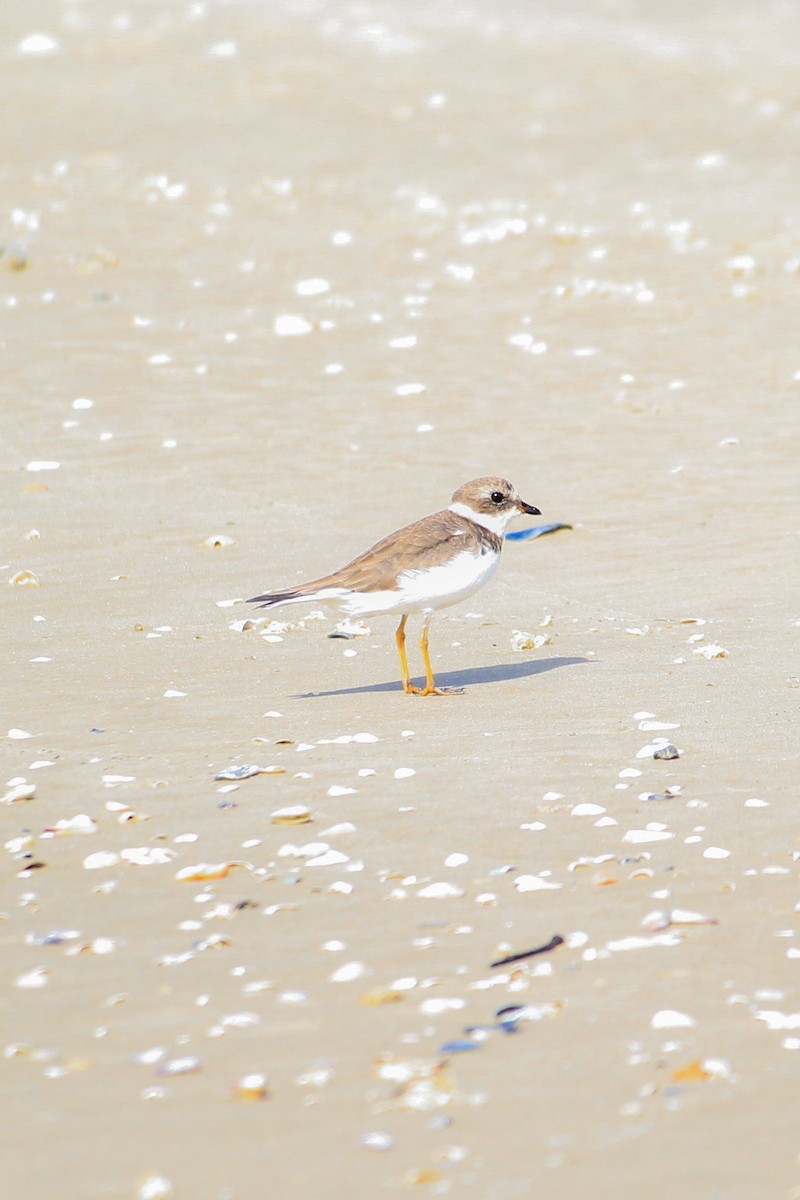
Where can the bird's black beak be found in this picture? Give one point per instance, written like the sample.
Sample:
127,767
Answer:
528,508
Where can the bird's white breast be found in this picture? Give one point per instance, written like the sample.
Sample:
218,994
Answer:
436,587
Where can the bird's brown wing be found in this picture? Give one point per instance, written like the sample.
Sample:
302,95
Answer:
425,543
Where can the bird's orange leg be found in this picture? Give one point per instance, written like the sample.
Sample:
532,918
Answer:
400,638
430,688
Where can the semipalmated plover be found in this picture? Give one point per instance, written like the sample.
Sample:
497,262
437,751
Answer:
431,564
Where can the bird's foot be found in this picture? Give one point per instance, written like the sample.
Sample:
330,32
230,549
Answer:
411,690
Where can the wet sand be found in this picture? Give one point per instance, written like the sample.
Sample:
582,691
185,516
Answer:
589,225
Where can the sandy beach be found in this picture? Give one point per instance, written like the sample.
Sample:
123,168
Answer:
275,279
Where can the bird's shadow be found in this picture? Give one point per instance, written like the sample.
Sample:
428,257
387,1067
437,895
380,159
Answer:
459,679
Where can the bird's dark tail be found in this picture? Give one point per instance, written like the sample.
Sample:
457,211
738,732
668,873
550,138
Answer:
270,599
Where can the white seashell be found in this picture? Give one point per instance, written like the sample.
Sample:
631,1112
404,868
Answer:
404,772
291,325
217,541
82,823
331,858
21,791
534,883
24,579
441,1004
348,972
641,836
37,978
155,1187
147,856
292,814
587,810
18,735
711,650
250,1087
439,891
312,287
100,859
38,45
456,860
670,1018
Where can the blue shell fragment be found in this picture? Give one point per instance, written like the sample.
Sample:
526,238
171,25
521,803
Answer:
459,1046
524,535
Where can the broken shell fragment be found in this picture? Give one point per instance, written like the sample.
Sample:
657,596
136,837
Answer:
250,1087
667,752
293,814
248,771
24,579
21,791
180,1066
201,871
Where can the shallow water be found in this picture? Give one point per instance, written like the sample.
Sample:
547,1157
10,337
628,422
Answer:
279,278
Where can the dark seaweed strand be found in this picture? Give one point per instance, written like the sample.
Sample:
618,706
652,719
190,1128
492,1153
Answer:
555,940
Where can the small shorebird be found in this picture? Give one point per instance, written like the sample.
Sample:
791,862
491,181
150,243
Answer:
431,564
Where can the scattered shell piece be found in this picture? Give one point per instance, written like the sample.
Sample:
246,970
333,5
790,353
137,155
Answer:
338,789
43,465
641,836
350,629
589,860
643,943
441,1004
217,541
100,859
348,972
534,883
18,735
248,771
376,1141
20,791
174,694
250,1087
116,780
147,856
404,772
692,1072
667,752
201,871
330,858
650,749
587,810
381,996
24,579
439,891
291,325
671,1018
711,650
527,641
715,852
82,823
456,860
37,978
293,814
186,1065
155,1187
677,916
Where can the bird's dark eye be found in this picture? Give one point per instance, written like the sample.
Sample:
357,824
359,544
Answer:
497,497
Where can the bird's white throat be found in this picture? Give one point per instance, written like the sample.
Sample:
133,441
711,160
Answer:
496,522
